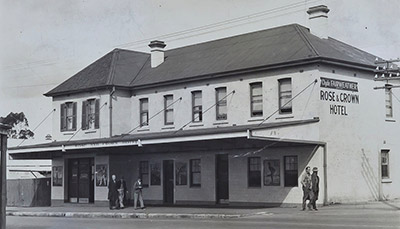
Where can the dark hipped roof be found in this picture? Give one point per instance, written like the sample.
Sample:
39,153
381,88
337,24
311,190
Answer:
279,46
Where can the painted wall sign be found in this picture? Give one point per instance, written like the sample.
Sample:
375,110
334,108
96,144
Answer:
337,97
339,84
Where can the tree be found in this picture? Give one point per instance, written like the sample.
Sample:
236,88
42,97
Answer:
19,123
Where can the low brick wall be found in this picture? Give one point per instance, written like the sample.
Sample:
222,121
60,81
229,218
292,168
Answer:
29,192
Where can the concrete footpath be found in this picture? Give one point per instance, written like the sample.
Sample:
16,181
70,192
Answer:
176,212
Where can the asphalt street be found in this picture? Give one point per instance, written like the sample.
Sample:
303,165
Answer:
325,218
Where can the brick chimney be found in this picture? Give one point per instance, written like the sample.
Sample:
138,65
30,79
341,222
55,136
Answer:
157,52
319,21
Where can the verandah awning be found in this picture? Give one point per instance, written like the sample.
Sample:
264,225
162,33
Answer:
232,137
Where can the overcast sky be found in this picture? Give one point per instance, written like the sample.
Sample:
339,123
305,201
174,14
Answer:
44,42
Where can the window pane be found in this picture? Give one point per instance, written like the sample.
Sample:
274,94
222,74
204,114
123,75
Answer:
291,171
254,172
388,101
285,95
196,179
221,103
195,172
256,99
385,164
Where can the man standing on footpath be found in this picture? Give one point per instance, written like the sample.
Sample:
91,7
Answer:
113,192
121,185
306,183
137,194
314,188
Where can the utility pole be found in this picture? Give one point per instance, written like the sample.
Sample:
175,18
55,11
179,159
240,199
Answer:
389,73
3,171
386,70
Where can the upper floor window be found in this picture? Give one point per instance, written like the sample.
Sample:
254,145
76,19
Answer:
256,99
168,110
197,108
385,163
254,172
68,116
90,114
388,102
285,95
291,171
221,107
144,112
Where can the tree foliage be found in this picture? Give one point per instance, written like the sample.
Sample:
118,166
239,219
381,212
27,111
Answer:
20,126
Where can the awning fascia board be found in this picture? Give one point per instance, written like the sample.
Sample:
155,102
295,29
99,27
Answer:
138,142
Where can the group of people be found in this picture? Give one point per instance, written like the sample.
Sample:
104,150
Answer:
310,183
117,193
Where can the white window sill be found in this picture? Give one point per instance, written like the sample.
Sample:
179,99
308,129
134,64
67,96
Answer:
68,133
386,180
255,119
142,129
390,120
284,117
222,122
168,128
196,125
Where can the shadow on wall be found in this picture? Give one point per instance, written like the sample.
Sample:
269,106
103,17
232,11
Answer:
369,176
29,192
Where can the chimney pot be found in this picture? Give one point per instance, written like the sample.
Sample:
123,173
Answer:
157,52
319,21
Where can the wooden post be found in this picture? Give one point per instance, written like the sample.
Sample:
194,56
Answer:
3,171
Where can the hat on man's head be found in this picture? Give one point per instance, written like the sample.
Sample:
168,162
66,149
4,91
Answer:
315,169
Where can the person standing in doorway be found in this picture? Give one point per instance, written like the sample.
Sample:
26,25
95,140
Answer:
137,194
113,192
314,188
306,183
121,185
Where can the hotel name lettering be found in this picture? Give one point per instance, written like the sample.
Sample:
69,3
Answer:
348,94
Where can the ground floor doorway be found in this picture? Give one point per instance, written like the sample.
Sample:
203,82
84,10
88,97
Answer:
168,181
222,178
81,180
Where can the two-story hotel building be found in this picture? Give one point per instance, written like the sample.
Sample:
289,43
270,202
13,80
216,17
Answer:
232,121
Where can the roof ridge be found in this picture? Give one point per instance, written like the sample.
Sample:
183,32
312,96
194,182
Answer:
306,40
111,74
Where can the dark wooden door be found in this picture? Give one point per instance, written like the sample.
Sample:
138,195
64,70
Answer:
222,178
168,181
73,168
80,180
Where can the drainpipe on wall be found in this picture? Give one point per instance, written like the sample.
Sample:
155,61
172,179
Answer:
110,107
325,165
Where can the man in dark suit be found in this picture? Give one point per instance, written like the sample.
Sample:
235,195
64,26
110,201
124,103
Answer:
113,192
121,186
315,187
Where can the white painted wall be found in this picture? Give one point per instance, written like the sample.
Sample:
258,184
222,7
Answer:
103,130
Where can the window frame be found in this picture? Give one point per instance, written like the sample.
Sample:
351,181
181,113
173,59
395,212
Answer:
197,110
144,112
192,172
223,103
281,96
87,116
256,173
253,100
168,110
64,116
295,175
388,101
144,170
386,164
